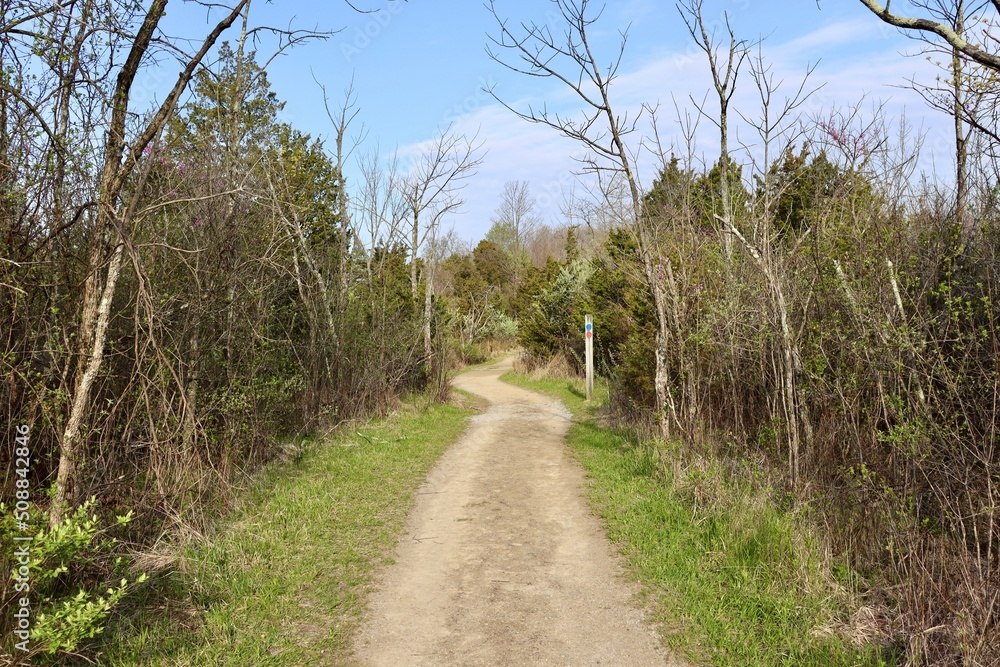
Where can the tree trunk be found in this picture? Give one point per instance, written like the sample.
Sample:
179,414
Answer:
119,162
689,396
666,408
344,238
961,149
788,377
414,243
428,310
795,409
94,324
727,203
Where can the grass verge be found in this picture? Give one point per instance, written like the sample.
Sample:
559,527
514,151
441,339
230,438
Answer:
734,574
282,582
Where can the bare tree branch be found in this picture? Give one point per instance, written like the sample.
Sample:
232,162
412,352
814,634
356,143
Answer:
947,33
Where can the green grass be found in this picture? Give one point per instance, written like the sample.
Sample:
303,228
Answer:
571,391
732,578
283,581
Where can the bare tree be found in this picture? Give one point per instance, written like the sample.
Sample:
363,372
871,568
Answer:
953,35
968,91
775,124
378,211
432,190
725,69
534,50
515,221
957,105
341,120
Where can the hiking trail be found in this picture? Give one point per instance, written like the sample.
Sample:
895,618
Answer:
502,561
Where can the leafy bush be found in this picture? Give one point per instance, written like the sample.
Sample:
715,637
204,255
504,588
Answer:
75,580
472,353
499,326
554,323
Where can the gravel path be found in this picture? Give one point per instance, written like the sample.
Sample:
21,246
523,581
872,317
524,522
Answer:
502,562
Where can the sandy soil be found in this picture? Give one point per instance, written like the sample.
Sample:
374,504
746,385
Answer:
502,562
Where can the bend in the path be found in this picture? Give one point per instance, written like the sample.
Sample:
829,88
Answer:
502,562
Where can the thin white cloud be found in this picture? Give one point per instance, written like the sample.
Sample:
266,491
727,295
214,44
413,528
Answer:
519,150
515,150
828,37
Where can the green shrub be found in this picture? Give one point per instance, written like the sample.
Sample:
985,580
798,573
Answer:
554,323
74,579
499,326
473,353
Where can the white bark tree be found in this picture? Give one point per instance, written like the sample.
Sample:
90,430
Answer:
967,91
113,220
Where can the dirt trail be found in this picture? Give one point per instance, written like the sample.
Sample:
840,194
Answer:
502,562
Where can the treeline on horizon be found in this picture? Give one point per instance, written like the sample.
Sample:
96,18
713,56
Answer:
188,294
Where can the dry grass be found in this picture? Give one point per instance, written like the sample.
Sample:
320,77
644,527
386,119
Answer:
556,368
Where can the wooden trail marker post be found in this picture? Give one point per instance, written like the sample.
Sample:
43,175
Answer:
588,329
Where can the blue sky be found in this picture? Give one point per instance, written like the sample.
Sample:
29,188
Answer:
421,65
